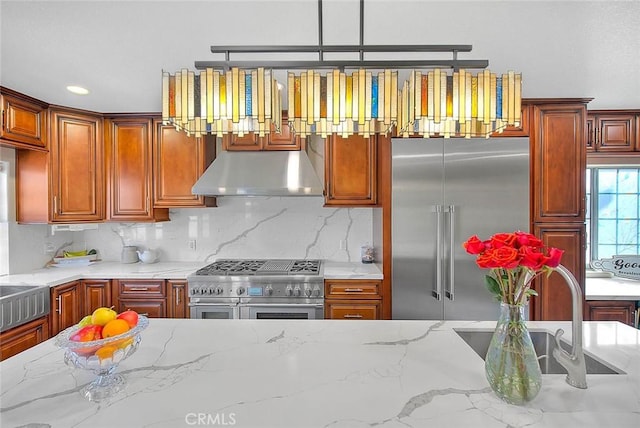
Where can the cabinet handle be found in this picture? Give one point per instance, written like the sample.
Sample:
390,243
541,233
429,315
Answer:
139,289
55,205
353,316
353,290
59,308
3,119
177,296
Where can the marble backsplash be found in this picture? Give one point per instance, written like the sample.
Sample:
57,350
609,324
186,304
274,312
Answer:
258,227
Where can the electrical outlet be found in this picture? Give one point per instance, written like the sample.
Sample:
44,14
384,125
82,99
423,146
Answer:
192,244
48,248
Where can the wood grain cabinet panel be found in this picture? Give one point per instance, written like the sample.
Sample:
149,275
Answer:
178,161
285,140
352,310
354,299
145,296
351,171
76,167
24,121
612,310
559,162
129,165
96,293
611,131
66,306
177,299
23,337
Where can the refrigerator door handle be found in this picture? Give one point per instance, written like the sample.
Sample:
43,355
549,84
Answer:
437,292
450,290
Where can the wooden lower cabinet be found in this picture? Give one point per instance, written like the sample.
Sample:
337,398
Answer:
611,310
66,308
145,296
354,299
23,337
177,299
96,293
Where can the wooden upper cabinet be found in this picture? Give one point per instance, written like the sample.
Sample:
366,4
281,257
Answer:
558,162
24,121
129,166
76,166
285,140
611,131
178,161
351,170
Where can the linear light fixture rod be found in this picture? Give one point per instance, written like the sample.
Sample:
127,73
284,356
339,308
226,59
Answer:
339,48
320,52
455,64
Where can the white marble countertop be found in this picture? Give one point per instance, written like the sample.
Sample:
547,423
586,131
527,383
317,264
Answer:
326,373
613,288
53,276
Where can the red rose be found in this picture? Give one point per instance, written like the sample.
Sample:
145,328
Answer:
524,238
474,245
555,255
506,257
486,261
503,240
531,258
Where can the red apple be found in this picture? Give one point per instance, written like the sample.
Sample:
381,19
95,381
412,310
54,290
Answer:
130,316
88,333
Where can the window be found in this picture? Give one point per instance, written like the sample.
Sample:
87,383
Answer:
613,211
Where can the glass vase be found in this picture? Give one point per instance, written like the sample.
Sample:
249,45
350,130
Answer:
511,364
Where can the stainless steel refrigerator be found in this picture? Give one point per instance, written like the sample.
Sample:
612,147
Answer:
443,191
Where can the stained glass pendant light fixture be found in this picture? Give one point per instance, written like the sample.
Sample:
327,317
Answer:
214,102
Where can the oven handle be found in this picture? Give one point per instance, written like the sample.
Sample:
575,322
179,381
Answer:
232,304
311,305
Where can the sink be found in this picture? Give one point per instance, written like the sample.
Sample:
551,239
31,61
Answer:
544,344
20,304
7,290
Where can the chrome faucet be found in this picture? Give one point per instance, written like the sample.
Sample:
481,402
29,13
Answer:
573,362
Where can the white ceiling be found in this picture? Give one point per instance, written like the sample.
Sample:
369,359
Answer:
118,49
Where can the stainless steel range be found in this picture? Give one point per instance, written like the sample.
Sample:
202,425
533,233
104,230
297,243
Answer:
258,289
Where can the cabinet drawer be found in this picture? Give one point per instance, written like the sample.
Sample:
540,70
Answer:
141,287
152,308
351,289
352,310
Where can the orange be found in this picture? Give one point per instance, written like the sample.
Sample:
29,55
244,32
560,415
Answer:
114,328
106,352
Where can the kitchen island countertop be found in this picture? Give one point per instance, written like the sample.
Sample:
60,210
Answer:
325,373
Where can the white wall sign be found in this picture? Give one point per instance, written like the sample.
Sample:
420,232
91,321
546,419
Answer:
627,266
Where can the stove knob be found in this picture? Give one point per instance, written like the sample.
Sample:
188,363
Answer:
219,290
209,290
268,290
240,290
288,291
297,291
307,291
316,291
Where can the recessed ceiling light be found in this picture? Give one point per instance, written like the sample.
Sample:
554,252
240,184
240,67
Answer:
79,90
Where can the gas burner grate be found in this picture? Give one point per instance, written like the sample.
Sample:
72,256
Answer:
261,267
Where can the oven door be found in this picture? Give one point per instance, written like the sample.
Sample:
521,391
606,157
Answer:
282,311
215,311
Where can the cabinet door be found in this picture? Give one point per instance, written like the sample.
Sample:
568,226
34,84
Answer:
285,140
76,176
24,123
554,296
96,293
23,337
178,161
128,142
177,298
352,309
558,162
591,133
248,141
351,170
612,310
65,302
615,133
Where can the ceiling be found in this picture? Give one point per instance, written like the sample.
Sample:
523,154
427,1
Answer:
118,49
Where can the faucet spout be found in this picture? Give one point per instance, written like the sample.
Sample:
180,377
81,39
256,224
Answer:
573,362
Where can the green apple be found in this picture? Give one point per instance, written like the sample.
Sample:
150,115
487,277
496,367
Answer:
85,321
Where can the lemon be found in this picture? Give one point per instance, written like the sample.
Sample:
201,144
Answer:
103,315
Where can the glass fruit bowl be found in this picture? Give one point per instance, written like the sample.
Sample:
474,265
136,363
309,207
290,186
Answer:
101,357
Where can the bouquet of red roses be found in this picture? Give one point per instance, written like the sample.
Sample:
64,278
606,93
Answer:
514,259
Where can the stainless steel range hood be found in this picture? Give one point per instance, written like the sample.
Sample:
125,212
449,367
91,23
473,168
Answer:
278,173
